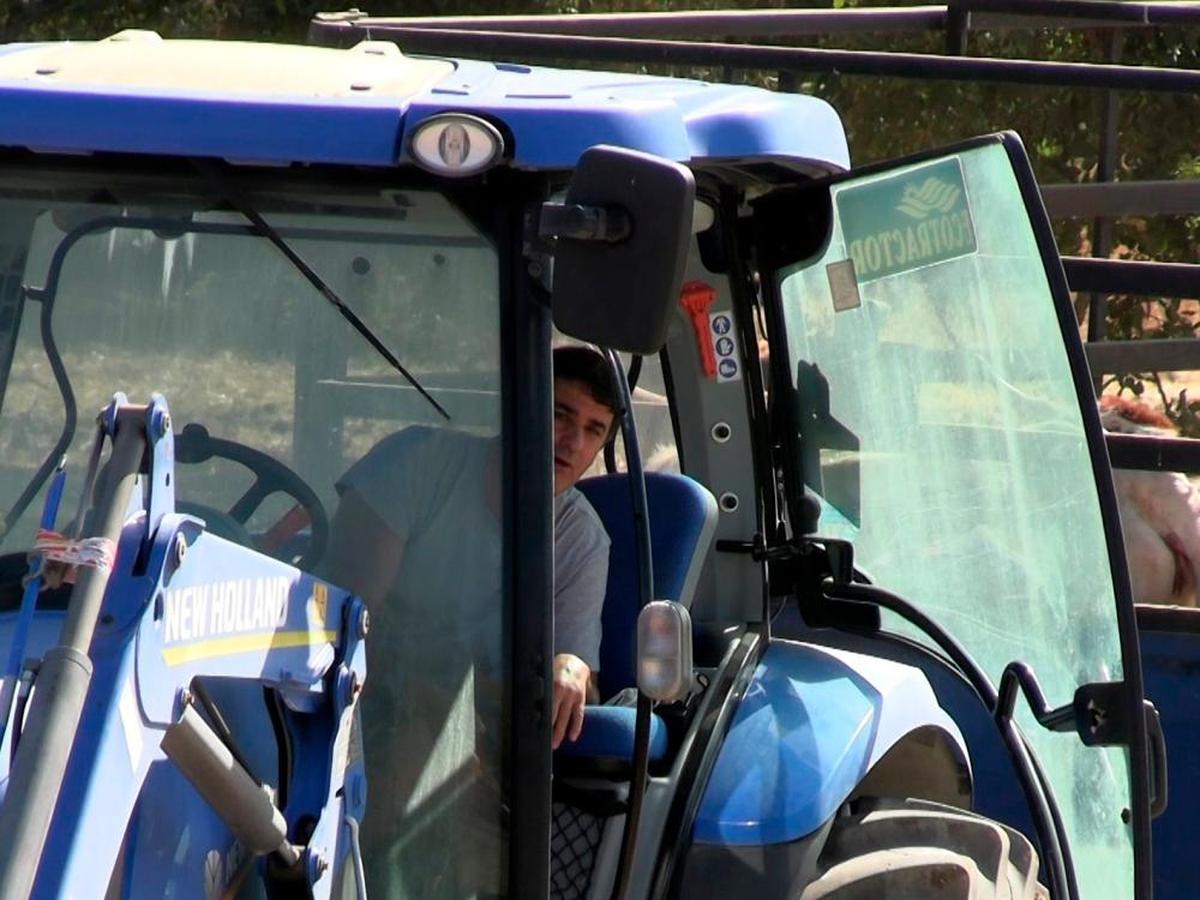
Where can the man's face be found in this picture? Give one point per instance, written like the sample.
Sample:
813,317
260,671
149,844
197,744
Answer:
581,427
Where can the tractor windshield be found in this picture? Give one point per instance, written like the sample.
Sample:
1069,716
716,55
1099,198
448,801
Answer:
952,452
280,408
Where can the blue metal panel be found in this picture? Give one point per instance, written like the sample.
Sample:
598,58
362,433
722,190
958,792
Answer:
812,723
171,614
109,762
554,115
264,129
208,617
219,605
1170,662
551,115
996,788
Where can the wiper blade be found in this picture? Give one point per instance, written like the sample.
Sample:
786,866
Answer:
264,228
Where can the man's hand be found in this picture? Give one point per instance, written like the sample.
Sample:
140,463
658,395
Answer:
571,676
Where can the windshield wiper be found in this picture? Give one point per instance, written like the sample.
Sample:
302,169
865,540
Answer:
224,186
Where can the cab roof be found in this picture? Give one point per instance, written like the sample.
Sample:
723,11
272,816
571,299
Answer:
278,104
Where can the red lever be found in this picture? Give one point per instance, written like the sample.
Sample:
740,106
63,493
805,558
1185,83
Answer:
695,298
286,528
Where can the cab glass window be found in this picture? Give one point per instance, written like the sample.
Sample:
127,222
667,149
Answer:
952,449
284,415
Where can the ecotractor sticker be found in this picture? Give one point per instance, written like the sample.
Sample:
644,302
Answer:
907,221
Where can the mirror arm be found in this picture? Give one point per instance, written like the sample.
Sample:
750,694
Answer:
579,222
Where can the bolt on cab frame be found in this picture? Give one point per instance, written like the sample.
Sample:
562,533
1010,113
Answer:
343,280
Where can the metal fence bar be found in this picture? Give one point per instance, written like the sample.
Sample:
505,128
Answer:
1152,453
790,23
1121,198
495,44
1124,276
1104,13
1106,170
758,23
1122,357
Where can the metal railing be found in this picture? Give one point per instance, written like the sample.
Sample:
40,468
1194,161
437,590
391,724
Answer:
721,38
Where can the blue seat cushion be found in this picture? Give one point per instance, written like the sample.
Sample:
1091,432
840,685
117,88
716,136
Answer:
683,516
608,735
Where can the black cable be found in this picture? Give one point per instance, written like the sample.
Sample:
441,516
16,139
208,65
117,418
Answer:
642,722
70,408
283,745
869,593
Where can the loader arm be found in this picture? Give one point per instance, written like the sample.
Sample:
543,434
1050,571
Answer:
181,609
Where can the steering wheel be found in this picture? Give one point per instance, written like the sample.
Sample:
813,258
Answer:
195,445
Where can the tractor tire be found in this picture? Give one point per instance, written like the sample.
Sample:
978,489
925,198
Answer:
917,850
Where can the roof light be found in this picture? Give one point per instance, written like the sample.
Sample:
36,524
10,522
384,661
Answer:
456,145
664,651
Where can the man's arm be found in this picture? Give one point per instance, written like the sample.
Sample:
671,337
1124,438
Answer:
364,554
581,575
573,687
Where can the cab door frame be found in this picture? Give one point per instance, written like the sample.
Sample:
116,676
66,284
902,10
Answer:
810,202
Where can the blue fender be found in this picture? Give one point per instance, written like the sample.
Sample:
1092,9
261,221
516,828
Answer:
812,723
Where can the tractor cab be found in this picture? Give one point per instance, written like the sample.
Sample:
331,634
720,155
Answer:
872,626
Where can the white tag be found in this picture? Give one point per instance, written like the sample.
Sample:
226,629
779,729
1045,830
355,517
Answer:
843,285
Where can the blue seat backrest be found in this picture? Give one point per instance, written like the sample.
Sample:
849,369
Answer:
683,519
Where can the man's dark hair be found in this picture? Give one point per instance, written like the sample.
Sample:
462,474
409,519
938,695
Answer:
590,368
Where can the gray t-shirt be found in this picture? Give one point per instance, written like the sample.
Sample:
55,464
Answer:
580,576
438,491
433,714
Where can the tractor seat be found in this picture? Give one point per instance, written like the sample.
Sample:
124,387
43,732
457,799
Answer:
683,519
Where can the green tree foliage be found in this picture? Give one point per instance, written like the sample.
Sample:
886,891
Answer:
884,117
91,19
1062,131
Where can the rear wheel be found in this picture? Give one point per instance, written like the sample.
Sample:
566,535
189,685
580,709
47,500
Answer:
910,849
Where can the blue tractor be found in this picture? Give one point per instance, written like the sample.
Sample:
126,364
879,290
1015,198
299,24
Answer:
871,605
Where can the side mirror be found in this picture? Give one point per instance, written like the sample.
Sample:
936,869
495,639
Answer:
620,246
664,651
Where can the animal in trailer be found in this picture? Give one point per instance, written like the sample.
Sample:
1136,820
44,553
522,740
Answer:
1160,514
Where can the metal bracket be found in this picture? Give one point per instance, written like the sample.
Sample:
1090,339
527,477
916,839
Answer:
350,15
1018,675
1097,713
161,473
537,250
584,223
825,557
757,548
1101,717
840,555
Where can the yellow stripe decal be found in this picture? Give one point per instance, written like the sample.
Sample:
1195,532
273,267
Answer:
246,643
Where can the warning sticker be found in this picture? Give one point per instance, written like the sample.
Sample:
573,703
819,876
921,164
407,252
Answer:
720,327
